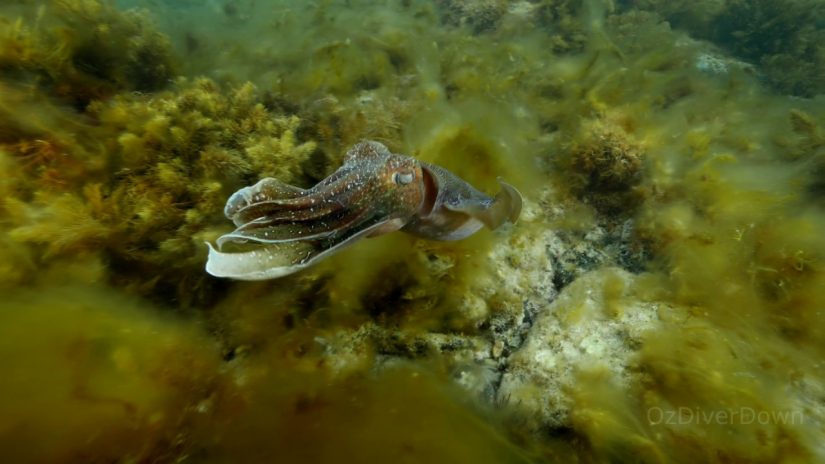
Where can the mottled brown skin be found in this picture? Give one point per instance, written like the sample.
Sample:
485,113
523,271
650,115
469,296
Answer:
363,191
453,209
375,192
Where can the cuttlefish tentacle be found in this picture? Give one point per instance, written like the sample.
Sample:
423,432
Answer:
271,211
278,204
262,230
310,211
266,189
278,260
282,229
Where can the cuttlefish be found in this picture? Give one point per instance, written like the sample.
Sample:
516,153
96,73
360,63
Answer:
282,229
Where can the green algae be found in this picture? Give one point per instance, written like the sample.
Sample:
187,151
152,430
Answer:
361,420
629,151
103,380
84,50
142,184
100,376
783,38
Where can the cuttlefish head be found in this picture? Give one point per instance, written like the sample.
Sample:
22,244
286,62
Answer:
282,229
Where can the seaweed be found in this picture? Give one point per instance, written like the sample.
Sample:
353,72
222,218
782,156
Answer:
607,167
145,194
84,50
782,38
632,143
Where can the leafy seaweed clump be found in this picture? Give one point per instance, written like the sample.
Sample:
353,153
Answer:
142,185
607,167
82,50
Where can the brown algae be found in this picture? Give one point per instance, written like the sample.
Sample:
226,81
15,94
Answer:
660,299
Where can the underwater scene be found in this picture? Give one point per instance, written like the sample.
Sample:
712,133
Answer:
442,231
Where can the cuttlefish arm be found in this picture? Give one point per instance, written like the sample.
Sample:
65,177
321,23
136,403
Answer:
273,212
278,260
454,209
282,229
266,189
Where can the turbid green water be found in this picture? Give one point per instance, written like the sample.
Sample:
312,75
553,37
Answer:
659,300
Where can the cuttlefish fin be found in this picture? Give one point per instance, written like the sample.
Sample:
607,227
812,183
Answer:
279,259
505,207
266,189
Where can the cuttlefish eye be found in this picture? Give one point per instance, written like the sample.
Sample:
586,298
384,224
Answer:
403,178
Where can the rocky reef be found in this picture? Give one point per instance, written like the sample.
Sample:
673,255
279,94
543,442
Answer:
780,38
659,299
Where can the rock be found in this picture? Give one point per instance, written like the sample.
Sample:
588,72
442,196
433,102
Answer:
594,324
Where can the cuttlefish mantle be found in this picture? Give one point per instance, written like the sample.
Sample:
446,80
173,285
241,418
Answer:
282,229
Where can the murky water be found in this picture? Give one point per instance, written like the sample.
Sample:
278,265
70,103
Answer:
659,299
